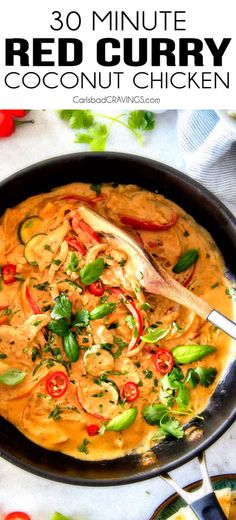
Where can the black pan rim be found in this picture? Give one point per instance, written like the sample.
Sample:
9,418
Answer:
149,473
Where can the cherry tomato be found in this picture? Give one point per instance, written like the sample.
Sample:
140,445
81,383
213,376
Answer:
130,391
8,272
57,384
17,515
97,288
32,302
14,113
92,429
73,242
163,361
7,126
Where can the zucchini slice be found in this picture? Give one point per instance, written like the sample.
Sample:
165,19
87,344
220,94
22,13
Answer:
32,246
97,361
28,228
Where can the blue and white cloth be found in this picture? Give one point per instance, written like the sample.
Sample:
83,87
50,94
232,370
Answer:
209,147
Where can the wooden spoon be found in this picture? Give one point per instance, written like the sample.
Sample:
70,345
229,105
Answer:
154,278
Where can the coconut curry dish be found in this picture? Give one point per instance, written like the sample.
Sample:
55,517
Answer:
90,364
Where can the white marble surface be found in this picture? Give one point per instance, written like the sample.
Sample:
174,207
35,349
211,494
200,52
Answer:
39,497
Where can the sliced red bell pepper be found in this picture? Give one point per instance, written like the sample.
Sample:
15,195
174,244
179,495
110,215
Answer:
81,198
73,242
78,223
32,302
135,313
8,273
189,279
147,224
4,320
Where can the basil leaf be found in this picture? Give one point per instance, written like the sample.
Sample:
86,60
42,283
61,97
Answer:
71,347
122,421
92,271
102,310
12,377
62,308
96,188
154,335
186,260
184,354
74,261
153,413
59,327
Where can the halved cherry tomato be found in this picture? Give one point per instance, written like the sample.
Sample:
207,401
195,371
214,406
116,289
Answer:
97,288
135,313
130,391
92,429
73,242
78,223
147,224
57,384
163,361
17,515
32,302
8,273
3,307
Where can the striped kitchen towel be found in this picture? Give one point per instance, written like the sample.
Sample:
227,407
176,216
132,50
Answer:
209,148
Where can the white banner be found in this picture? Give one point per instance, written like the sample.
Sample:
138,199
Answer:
151,55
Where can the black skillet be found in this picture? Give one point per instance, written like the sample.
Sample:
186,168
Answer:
208,211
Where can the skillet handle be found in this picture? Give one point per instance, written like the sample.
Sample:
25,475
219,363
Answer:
223,323
208,508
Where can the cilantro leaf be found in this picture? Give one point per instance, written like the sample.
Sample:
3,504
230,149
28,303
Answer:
96,137
81,119
74,261
183,396
121,344
59,327
231,292
62,308
153,413
96,188
141,120
200,375
81,318
65,114
83,447
171,427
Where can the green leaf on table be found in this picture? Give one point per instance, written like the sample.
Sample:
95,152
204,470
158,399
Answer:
141,120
